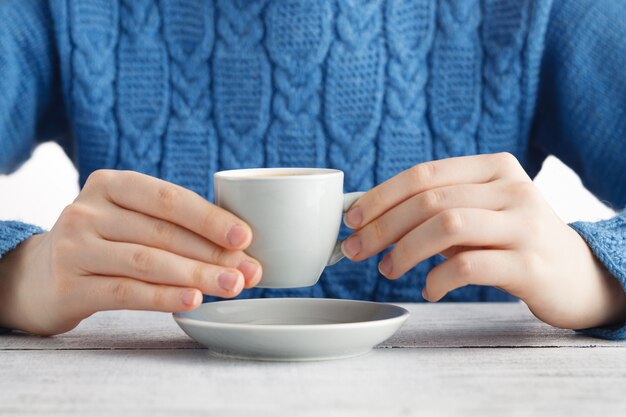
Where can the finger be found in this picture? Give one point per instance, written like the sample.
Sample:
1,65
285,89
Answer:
167,201
498,268
160,267
128,226
387,229
475,169
119,293
467,227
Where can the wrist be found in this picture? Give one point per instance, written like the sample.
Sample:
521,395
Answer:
602,297
14,267
605,242
613,302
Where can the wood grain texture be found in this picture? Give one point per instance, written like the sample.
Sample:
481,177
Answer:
449,359
428,381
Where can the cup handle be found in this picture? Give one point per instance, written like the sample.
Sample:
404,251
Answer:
348,200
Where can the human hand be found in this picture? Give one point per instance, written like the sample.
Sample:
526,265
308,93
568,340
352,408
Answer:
128,241
486,216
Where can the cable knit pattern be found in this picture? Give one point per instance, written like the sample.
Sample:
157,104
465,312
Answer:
405,137
298,37
242,83
182,88
353,104
503,35
94,35
455,85
142,87
538,15
190,146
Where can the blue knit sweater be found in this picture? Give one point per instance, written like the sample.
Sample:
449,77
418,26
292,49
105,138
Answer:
182,88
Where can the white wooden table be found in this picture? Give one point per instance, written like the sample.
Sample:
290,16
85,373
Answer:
448,359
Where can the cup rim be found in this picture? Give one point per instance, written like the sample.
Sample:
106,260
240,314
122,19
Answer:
248,174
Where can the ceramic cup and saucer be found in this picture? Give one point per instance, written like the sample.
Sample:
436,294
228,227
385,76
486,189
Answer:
295,215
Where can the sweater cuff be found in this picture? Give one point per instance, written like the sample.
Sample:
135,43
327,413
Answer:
12,233
607,240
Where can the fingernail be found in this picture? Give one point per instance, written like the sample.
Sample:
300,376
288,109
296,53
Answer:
237,235
354,217
425,294
386,265
191,297
248,269
351,246
229,281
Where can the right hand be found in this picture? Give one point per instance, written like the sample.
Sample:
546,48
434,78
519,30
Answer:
128,241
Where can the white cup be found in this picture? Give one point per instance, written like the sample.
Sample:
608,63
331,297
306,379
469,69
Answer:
295,215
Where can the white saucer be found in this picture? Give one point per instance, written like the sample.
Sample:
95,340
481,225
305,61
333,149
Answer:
291,329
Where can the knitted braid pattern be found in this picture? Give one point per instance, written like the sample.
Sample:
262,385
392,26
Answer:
504,30
242,83
94,28
455,86
370,87
503,33
405,137
538,16
298,38
454,90
143,87
352,111
190,145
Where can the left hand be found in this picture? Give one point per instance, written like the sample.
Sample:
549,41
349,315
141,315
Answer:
486,216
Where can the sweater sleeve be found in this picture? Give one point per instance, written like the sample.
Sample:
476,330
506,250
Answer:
581,118
31,109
